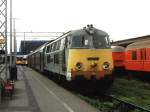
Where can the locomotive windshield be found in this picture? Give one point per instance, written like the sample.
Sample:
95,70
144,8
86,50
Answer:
80,42
101,41
96,41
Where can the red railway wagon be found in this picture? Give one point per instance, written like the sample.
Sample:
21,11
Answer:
137,56
118,53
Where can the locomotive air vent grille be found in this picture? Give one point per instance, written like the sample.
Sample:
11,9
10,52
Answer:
93,58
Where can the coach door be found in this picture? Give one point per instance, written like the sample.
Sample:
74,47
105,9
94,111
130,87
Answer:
143,58
146,61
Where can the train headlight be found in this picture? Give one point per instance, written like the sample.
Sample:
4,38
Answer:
105,65
79,66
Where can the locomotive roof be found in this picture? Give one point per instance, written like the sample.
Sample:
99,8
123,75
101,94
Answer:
80,32
84,31
89,29
117,49
142,44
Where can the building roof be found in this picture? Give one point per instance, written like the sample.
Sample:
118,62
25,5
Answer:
27,46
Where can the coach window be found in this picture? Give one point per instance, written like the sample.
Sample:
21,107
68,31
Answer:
62,43
54,46
58,45
47,50
56,58
50,47
134,55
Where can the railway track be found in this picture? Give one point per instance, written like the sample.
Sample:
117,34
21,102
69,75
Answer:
110,103
121,105
125,106
124,96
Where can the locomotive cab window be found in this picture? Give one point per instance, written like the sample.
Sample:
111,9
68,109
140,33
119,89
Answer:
101,41
95,40
134,55
80,42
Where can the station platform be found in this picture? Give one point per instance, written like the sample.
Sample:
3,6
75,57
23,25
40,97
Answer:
36,93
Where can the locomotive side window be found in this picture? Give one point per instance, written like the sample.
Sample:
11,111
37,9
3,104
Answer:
66,42
86,42
134,55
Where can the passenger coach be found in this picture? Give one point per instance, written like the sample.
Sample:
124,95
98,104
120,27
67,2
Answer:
138,56
118,53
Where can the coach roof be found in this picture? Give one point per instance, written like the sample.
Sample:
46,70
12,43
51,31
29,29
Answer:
137,45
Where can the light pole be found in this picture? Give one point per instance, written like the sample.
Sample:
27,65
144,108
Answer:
6,52
10,33
15,46
24,43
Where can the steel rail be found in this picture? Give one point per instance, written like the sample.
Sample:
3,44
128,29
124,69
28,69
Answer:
128,104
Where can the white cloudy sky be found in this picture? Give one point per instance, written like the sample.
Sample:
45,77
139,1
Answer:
120,18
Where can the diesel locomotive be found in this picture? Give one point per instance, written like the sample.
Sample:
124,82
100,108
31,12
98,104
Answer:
78,54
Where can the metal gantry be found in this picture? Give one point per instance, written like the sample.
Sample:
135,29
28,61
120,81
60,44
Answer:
3,29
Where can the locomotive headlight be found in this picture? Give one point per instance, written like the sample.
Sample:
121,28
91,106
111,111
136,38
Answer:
105,65
79,66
